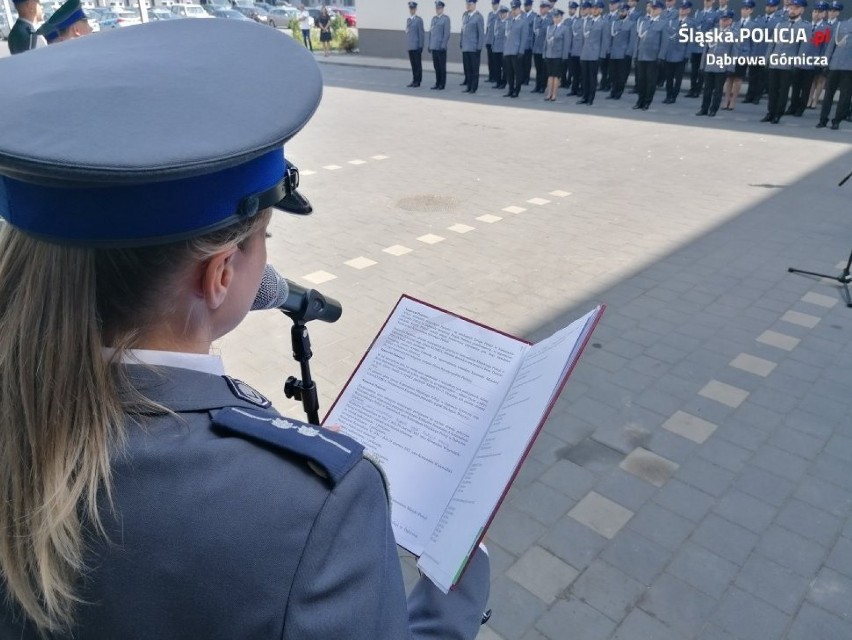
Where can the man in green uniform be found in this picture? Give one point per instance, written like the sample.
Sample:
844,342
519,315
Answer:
23,35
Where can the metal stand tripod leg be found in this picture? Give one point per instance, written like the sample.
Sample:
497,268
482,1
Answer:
844,278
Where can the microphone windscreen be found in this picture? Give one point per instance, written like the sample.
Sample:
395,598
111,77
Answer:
273,291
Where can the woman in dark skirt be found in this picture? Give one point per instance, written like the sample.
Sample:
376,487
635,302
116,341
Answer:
553,49
733,83
324,24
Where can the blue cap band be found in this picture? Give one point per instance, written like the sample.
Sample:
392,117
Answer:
138,214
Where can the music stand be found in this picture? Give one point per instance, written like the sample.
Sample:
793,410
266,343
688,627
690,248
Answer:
844,278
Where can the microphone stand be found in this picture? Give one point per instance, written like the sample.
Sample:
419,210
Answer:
305,389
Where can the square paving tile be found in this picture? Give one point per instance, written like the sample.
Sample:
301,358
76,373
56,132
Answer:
819,299
689,426
397,250
538,201
560,194
726,394
649,466
753,364
514,209
490,219
431,238
542,574
357,162
360,263
461,228
601,514
801,319
318,277
779,340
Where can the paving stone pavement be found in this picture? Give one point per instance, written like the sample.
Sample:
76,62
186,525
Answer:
694,480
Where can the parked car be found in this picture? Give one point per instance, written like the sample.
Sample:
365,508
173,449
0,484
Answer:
160,13
230,14
114,18
266,6
348,16
189,11
258,14
281,16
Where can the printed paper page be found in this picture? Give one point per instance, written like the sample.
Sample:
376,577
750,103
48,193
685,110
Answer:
422,401
539,378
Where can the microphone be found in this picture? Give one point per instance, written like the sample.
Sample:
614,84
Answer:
294,300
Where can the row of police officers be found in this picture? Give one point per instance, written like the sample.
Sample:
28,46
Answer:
593,49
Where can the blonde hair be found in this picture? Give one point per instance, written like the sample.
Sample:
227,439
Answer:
61,416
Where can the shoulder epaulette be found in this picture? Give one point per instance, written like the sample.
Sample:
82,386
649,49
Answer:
329,454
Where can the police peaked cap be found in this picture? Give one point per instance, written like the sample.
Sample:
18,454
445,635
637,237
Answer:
65,16
176,164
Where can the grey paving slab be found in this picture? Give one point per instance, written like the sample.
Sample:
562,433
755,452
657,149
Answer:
832,591
636,556
791,550
625,489
703,569
518,610
725,538
607,589
746,511
573,542
579,617
746,617
812,623
809,521
639,625
678,605
772,583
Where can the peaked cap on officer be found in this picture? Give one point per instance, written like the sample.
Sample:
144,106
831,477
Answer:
196,131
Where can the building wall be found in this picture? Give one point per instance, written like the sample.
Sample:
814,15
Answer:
381,26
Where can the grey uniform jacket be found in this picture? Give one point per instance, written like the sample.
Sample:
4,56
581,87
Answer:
577,37
622,30
703,21
555,44
439,33
499,44
491,22
767,23
719,50
542,24
530,17
652,40
812,49
787,49
517,36
677,50
840,50
594,30
225,534
473,32
415,33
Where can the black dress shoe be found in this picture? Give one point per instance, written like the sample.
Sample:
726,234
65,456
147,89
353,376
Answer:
668,101
410,84
821,124
835,125
463,83
712,113
766,118
434,87
466,91
638,105
790,111
583,101
799,113
645,107
515,94
611,98
776,120
508,95
701,113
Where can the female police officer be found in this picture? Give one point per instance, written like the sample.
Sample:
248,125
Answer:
145,494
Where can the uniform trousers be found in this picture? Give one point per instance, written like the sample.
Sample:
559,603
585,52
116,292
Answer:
714,82
566,73
512,69
439,61
779,86
576,75
471,61
540,72
491,66
499,76
526,66
756,83
416,59
590,79
618,70
837,80
646,81
696,75
606,75
801,90
674,78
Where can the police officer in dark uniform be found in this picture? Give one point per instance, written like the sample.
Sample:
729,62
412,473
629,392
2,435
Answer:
415,36
839,75
23,36
526,58
146,494
677,51
703,22
439,38
717,66
623,32
786,47
651,48
517,37
498,47
757,73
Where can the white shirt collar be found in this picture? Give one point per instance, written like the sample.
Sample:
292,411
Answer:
202,362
